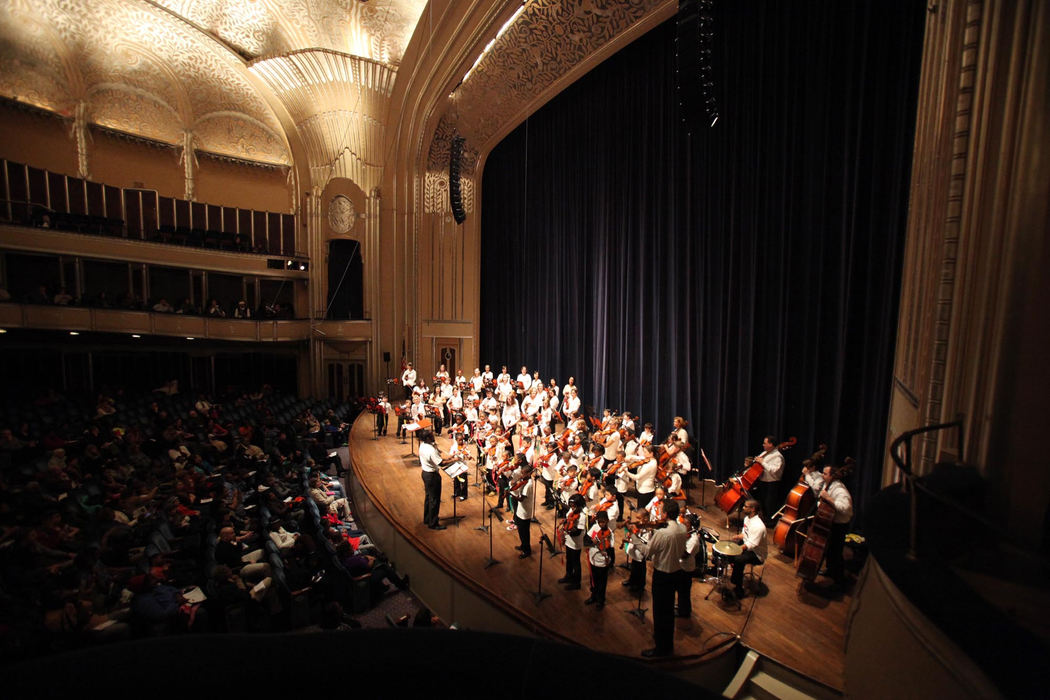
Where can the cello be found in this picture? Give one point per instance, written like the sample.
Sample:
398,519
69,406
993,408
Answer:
817,535
798,506
734,489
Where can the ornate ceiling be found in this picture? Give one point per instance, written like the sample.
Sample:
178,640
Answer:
211,73
158,69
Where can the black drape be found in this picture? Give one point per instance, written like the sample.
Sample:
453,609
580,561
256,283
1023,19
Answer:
743,276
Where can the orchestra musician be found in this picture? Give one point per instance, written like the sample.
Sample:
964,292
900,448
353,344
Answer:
813,477
571,401
752,539
486,377
645,477
477,382
836,493
524,380
600,557
608,505
460,433
511,416
442,374
403,416
408,379
695,556
383,409
525,503
772,462
572,529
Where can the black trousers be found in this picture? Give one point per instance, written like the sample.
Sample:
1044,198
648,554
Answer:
683,590
833,553
739,562
572,565
644,498
599,582
663,610
432,502
523,534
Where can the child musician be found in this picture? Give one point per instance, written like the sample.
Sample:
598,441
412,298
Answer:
573,528
600,556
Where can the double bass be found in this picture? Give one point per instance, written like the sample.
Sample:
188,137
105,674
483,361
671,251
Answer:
819,530
736,486
798,506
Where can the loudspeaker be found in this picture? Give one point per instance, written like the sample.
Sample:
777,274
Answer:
386,357
455,197
345,288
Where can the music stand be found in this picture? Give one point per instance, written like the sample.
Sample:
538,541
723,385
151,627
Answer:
462,468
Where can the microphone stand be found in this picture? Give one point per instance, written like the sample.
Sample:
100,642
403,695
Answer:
639,611
540,594
554,549
491,561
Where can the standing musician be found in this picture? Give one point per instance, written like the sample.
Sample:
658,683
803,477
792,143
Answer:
403,411
431,462
695,556
813,476
523,381
647,435
568,485
548,474
442,375
553,402
477,382
772,462
665,551
408,380
572,528
571,401
460,433
511,416
600,556
645,477
460,381
836,493
525,506
383,409
607,505
752,539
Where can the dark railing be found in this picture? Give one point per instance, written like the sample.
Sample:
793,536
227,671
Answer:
42,199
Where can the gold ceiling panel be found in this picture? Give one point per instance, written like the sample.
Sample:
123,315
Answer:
338,102
549,40
378,30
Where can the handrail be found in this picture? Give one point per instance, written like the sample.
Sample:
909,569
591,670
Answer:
916,483
911,480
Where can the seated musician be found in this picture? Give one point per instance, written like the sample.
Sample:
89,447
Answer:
753,541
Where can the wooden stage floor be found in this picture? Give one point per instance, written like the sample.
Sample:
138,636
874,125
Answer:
800,629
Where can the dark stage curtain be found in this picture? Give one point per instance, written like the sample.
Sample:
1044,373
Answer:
745,276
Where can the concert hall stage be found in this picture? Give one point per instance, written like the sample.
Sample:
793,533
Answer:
803,631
